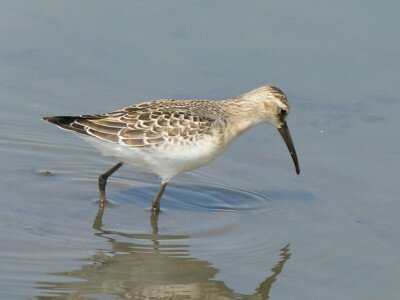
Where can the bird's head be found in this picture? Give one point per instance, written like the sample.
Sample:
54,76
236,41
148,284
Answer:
272,106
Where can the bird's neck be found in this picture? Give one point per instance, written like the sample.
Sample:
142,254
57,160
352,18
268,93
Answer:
242,115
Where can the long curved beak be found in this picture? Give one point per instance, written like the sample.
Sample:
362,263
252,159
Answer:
285,133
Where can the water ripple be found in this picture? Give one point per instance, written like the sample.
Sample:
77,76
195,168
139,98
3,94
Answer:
195,195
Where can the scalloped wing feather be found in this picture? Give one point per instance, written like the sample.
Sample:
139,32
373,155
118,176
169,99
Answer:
149,124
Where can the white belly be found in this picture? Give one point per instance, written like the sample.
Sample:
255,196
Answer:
166,161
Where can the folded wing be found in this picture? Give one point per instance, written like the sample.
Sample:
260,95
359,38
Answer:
145,125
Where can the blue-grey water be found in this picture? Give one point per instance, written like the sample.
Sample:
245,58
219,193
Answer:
245,226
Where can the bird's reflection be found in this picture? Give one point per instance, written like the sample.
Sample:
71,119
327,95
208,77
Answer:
147,266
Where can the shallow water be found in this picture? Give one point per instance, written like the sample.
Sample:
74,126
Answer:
245,226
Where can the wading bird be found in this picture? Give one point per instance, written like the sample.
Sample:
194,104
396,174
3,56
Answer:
168,137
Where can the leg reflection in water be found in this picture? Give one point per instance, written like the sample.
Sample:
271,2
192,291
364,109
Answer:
150,266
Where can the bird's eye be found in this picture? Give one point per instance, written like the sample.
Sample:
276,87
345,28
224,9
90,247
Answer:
282,112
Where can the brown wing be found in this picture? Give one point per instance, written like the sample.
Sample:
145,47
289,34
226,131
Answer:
145,125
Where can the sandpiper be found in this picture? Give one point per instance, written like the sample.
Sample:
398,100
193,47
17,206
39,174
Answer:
168,137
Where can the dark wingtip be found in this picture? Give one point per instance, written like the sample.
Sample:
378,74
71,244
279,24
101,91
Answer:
67,123
48,119
51,119
56,120
60,120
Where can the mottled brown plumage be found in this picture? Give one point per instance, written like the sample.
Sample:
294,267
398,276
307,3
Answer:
147,124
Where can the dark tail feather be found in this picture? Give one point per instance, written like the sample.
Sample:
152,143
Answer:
60,120
67,123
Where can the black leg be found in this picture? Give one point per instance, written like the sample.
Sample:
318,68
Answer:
103,182
156,201
98,221
154,221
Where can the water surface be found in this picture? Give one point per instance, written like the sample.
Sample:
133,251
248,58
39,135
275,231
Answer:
245,226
